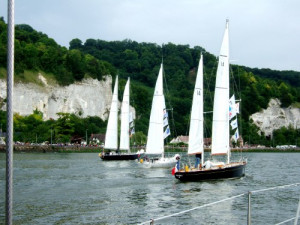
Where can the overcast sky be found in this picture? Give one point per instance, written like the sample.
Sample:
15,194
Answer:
263,33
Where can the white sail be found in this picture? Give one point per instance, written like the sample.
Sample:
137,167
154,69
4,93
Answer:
155,141
111,136
196,123
125,117
220,129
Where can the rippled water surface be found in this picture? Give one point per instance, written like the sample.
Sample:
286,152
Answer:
79,188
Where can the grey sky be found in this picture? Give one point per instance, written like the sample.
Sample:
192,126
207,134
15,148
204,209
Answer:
263,33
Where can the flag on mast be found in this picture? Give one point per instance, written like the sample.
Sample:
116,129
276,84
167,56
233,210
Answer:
232,107
167,132
234,124
236,135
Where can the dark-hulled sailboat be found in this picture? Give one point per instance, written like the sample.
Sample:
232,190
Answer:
111,138
220,129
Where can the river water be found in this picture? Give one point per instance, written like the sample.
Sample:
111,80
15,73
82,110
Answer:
80,188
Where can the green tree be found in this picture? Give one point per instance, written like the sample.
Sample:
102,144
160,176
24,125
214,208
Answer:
138,138
75,63
285,95
64,128
75,44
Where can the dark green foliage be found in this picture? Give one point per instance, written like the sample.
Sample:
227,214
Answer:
3,121
141,62
138,139
36,51
75,63
75,44
284,136
33,129
288,76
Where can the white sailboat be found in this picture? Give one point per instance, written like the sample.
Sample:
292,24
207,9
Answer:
158,128
111,137
220,129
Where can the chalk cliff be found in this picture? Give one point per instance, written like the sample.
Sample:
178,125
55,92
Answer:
275,117
89,97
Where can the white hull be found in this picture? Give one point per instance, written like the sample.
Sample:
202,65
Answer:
160,163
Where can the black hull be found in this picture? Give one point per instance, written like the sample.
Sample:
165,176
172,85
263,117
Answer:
119,157
235,171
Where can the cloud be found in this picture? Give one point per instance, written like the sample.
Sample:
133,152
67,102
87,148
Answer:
263,34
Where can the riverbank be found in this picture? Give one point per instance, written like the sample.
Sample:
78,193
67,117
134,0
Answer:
97,149
52,149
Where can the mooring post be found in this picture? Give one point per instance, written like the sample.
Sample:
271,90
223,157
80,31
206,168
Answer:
9,110
249,208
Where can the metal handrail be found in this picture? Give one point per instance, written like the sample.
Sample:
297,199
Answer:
151,221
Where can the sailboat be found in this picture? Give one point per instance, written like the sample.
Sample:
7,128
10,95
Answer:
111,137
220,129
158,129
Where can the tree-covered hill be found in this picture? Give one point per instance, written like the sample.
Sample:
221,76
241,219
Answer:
35,51
141,61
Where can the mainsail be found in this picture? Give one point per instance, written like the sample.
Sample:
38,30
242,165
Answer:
111,136
196,123
124,136
155,141
220,129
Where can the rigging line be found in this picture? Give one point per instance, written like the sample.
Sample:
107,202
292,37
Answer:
206,94
234,85
283,222
198,207
272,188
170,104
206,135
238,91
188,126
210,80
240,104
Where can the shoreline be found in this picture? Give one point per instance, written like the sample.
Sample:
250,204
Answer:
97,149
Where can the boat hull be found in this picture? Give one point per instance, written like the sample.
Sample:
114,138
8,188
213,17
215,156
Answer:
119,157
161,163
234,171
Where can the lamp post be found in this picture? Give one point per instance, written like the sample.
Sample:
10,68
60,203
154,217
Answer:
51,135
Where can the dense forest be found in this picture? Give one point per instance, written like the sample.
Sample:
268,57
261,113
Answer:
35,52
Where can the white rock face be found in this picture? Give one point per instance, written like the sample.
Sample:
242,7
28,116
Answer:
89,97
274,117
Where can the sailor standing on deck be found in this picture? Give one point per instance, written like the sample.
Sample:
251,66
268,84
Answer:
198,159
